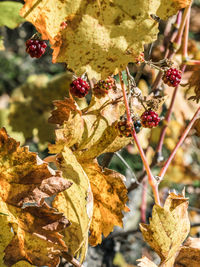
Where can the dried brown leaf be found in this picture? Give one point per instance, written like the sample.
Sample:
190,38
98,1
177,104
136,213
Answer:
189,254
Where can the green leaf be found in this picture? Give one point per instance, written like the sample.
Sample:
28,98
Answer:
9,14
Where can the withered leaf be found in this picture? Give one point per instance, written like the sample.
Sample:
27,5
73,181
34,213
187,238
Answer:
24,177
189,254
110,197
30,233
168,228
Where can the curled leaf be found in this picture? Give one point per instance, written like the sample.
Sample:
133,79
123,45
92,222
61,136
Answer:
30,233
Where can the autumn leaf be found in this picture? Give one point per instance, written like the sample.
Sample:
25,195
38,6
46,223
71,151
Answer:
110,197
76,203
168,228
24,177
103,35
30,233
97,123
189,254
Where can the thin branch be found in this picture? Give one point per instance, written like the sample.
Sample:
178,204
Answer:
153,183
180,142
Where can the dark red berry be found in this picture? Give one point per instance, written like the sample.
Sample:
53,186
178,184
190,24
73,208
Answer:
125,128
172,77
35,48
103,86
149,119
79,88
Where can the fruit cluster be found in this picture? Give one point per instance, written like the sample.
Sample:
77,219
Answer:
172,77
79,88
103,86
125,128
150,119
35,48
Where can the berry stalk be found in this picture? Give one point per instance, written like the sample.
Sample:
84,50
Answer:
153,183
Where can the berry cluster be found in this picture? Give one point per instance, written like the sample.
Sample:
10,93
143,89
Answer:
125,128
172,77
35,48
103,86
150,119
79,88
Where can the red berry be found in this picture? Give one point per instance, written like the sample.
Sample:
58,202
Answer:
35,48
125,128
150,119
103,86
79,88
172,77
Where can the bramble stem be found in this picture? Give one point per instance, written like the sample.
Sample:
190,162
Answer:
185,37
168,52
177,41
153,183
185,133
143,207
192,62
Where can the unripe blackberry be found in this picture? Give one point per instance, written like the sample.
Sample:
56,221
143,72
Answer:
103,86
150,119
137,126
79,88
172,77
125,128
35,48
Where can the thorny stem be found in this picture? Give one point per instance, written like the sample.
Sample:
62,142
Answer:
185,133
72,260
153,183
185,38
175,41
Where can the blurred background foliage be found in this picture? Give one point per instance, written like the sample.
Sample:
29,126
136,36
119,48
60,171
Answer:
28,87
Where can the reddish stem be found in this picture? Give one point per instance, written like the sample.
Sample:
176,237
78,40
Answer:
185,133
153,183
168,54
143,207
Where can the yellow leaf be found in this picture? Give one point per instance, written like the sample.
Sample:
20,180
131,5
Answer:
104,36
110,197
189,254
75,203
31,233
168,227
